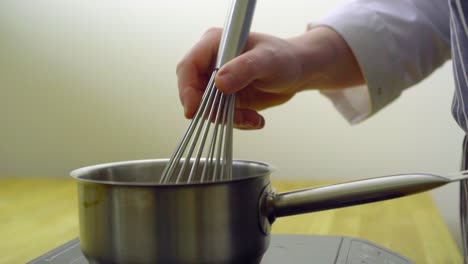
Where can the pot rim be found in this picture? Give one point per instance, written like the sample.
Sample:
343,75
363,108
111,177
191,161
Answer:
78,174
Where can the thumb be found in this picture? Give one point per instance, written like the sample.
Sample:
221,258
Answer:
241,71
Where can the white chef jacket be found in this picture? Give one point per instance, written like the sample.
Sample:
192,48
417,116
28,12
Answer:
397,43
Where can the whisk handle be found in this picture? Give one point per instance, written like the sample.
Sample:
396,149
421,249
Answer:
236,30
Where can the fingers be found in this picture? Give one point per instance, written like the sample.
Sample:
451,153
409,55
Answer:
190,98
248,119
242,70
253,98
194,70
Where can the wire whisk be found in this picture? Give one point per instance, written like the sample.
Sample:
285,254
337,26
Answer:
208,139
205,151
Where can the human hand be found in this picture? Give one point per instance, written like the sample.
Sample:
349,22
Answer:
269,72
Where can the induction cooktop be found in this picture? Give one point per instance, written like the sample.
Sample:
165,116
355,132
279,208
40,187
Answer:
292,249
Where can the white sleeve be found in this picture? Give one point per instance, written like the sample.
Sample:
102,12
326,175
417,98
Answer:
397,43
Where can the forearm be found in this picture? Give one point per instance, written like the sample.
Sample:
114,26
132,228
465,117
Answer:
396,44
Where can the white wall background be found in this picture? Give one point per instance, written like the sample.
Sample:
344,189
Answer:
86,82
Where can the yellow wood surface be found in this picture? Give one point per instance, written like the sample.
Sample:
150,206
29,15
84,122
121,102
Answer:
38,214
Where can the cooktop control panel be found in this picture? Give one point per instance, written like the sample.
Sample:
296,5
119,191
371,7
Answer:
361,252
294,249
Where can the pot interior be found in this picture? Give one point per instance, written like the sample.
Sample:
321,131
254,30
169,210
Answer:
148,172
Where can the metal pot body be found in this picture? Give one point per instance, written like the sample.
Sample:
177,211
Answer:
126,217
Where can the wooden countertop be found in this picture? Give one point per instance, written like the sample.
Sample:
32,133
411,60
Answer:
39,214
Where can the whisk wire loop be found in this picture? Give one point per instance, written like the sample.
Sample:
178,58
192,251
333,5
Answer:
175,159
206,128
209,160
217,108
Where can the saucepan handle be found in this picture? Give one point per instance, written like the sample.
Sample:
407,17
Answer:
350,193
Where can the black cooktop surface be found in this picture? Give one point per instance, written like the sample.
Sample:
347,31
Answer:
290,249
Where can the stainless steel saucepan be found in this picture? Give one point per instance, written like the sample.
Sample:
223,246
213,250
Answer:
127,217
